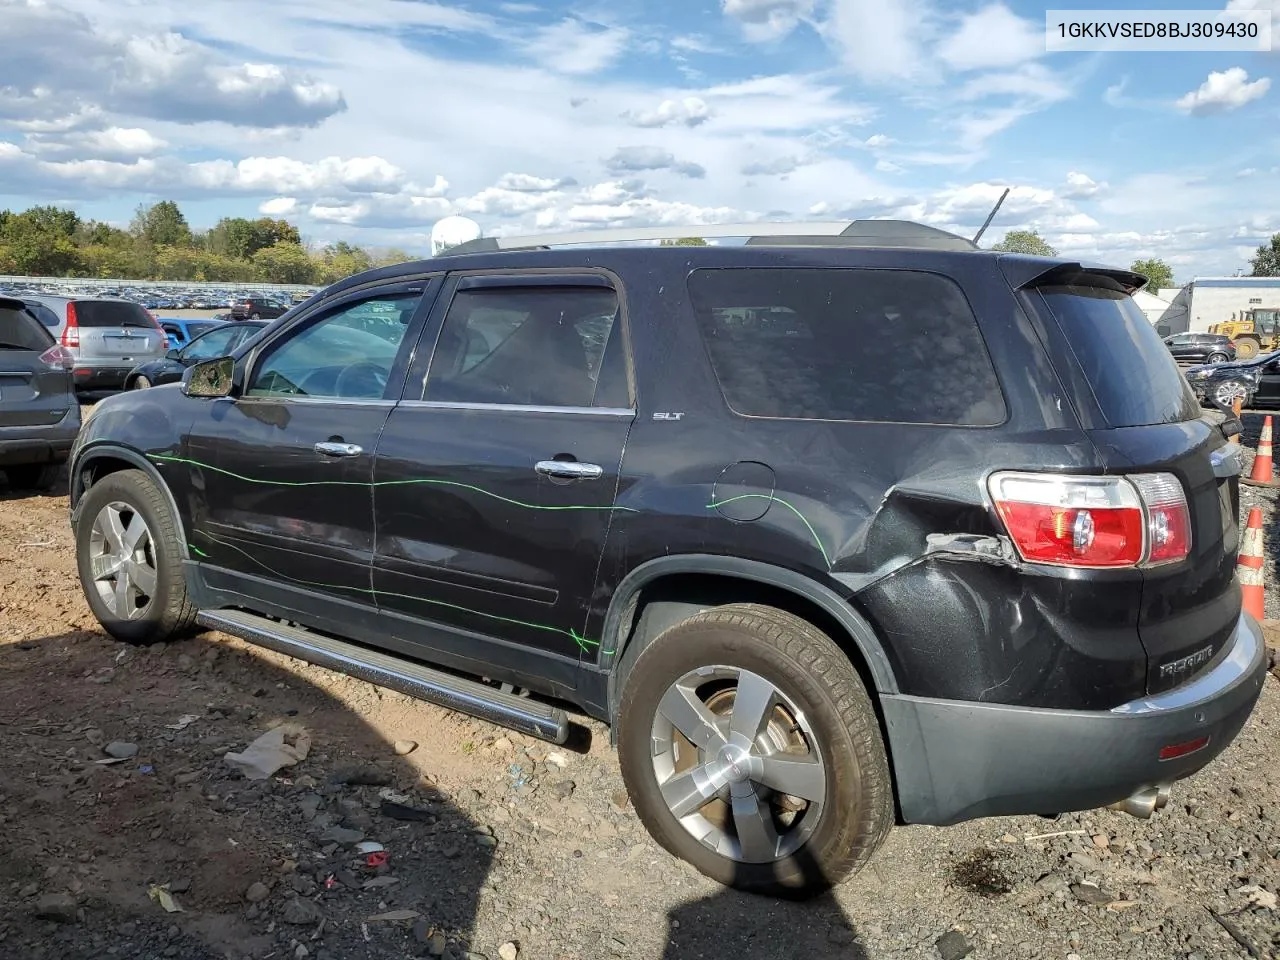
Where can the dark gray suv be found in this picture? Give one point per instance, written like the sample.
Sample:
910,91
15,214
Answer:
39,415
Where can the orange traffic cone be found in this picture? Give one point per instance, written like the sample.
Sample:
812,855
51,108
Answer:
1249,565
1262,471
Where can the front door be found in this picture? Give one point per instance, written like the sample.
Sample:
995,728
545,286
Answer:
1268,393
495,481
283,469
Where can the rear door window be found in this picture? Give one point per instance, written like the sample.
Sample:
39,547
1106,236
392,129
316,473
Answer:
111,313
846,344
1133,377
42,313
20,331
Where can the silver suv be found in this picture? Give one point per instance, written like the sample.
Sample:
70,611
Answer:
107,337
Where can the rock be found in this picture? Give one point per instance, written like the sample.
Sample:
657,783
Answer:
1052,882
300,913
421,930
1090,893
29,891
953,946
621,799
404,747
563,789
362,777
502,745
1101,841
60,907
301,953
257,892
180,886
1085,862
342,835
309,804
403,811
509,951
119,750
436,944
94,736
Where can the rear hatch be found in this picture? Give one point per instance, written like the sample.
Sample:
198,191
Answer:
1143,418
35,387
117,330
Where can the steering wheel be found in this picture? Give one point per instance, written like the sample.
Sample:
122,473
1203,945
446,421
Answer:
366,380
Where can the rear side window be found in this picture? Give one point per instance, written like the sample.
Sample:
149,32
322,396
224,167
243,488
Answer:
42,313
111,313
846,344
20,331
1133,377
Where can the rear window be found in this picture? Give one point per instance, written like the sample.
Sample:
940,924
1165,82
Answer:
111,313
846,344
1133,377
20,331
42,313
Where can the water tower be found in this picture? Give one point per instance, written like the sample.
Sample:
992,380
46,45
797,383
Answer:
452,231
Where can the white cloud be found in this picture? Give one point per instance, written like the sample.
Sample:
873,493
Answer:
575,46
887,166
1223,91
496,201
279,206
992,37
527,183
765,20
107,143
1080,186
1272,5
877,141
58,62
639,159
689,111
882,42
779,166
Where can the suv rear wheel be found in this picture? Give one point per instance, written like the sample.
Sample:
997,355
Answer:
129,562
751,749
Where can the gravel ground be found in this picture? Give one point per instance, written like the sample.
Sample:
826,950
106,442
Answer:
499,846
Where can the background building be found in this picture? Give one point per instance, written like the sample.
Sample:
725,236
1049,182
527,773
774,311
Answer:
1209,300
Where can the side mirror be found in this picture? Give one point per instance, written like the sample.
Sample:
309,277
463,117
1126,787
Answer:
172,354
209,378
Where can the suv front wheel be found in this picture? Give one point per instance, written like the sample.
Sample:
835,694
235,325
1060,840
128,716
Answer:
129,562
751,749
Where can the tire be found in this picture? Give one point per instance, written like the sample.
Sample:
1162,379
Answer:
1217,358
1227,391
167,612
33,476
1247,348
140,382
814,686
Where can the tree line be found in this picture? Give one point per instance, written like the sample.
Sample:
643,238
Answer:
159,244
1265,262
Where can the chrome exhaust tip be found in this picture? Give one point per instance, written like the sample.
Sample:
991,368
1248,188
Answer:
1143,803
1162,796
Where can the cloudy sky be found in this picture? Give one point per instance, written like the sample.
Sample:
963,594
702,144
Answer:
370,120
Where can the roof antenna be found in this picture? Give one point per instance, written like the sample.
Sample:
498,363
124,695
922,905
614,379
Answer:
991,216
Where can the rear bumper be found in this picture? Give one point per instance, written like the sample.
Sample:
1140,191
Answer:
104,376
49,443
956,760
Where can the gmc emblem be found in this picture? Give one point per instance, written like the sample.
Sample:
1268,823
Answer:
1186,664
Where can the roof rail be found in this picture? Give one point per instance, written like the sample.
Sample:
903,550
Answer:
838,233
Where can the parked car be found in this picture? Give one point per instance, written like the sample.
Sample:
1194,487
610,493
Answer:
1255,383
179,332
816,589
257,308
1201,347
39,413
217,341
107,338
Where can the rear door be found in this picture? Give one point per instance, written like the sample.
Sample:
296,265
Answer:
1143,418
117,330
33,391
1268,393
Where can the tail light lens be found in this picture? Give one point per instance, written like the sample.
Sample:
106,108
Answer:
1071,521
60,358
71,333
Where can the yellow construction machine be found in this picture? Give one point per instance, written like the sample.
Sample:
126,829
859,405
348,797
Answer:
1257,331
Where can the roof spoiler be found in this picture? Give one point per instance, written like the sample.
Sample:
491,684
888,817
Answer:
1028,273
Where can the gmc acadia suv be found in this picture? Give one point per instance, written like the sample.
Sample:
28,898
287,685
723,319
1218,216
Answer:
813,589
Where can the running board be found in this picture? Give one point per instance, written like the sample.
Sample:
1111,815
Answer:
455,693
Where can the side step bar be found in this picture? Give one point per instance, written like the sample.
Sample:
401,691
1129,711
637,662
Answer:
455,693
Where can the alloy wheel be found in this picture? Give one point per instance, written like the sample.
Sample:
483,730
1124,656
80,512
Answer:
123,561
737,764
1228,393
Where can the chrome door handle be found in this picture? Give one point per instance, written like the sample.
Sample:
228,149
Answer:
570,469
331,448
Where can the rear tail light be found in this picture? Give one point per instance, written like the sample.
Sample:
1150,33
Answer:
1073,521
60,358
71,334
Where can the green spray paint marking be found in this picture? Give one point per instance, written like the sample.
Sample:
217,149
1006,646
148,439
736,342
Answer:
383,483
772,499
587,646
196,550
